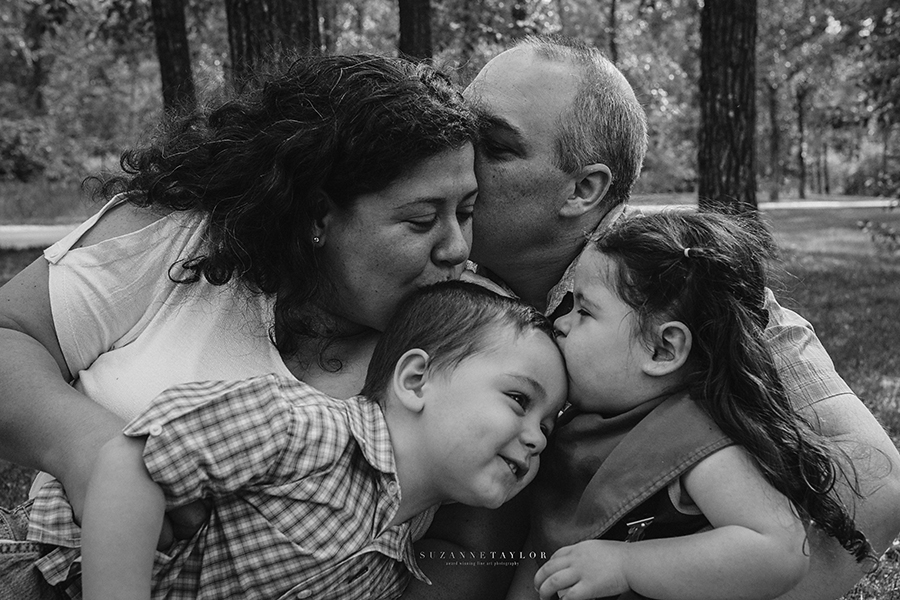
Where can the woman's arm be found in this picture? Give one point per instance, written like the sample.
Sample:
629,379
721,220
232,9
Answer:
123,515
755,549
45,424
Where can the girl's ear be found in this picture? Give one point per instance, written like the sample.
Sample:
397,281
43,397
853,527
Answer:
410,375
671,348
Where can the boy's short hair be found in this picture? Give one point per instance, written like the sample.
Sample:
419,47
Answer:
451,321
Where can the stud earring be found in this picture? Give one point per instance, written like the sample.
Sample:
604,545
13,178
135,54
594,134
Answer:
316,240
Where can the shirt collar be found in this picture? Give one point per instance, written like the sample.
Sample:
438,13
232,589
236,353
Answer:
368,427
567,283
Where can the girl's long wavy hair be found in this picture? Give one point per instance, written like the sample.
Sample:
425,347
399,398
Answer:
260,163
709,271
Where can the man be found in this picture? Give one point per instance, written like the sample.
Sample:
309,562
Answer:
562,144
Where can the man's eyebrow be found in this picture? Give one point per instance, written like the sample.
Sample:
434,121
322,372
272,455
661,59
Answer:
489,121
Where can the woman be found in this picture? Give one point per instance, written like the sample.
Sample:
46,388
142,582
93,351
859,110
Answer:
274,233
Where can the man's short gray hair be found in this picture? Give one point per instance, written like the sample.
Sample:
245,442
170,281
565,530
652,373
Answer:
606,123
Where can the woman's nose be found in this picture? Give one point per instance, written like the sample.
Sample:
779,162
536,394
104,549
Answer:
453,248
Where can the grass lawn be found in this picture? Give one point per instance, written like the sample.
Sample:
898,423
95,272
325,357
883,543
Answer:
834,275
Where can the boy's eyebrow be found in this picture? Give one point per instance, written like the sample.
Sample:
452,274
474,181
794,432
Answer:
531,381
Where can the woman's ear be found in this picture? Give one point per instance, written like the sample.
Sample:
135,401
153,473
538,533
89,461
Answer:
671,348
590,186
323,212
410,375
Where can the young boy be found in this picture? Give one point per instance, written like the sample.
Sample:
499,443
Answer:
312,496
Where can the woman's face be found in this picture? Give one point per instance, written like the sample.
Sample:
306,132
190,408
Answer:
415,232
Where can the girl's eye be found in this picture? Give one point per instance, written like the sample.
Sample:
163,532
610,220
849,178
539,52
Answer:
583,313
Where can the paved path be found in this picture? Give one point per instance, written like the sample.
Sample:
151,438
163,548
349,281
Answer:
39,236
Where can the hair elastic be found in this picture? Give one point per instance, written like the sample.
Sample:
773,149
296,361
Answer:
687,252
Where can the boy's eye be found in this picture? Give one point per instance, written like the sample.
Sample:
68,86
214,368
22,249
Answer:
520,399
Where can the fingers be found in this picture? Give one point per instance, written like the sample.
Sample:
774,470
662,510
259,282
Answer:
553,579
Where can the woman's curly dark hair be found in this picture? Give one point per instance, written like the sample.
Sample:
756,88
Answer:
258,164
709,271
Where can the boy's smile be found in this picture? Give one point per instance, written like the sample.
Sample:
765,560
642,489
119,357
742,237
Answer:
487,419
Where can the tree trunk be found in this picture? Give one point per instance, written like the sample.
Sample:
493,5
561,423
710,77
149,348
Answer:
260,30
469,38
415,29
825,176
518,14
174,54
802,92
611,28
563,21
774,144
329,26
726,158
33,34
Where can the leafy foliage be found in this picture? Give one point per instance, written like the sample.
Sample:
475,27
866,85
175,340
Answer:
79,80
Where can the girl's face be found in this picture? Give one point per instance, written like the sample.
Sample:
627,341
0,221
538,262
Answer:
600,342
415,232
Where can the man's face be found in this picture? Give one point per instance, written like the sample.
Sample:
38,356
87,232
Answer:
521,98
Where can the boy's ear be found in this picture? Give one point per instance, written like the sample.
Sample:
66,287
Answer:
671,348
409,379
590,187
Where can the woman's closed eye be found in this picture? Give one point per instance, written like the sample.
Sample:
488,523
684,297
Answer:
465,213
423,222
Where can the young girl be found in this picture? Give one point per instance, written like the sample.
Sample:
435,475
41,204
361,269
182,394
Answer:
680,438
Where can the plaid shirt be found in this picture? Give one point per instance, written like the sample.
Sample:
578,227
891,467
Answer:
304,487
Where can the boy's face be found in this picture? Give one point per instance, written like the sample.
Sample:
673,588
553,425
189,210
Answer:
488,418
600,343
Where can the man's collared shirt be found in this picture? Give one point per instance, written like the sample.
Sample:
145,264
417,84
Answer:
303,486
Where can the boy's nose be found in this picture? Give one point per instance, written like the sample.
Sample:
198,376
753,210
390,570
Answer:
534,439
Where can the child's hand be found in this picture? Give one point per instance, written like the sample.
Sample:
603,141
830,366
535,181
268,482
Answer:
585,570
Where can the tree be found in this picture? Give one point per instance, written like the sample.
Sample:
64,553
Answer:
174,54
726,155
415,29
263,29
